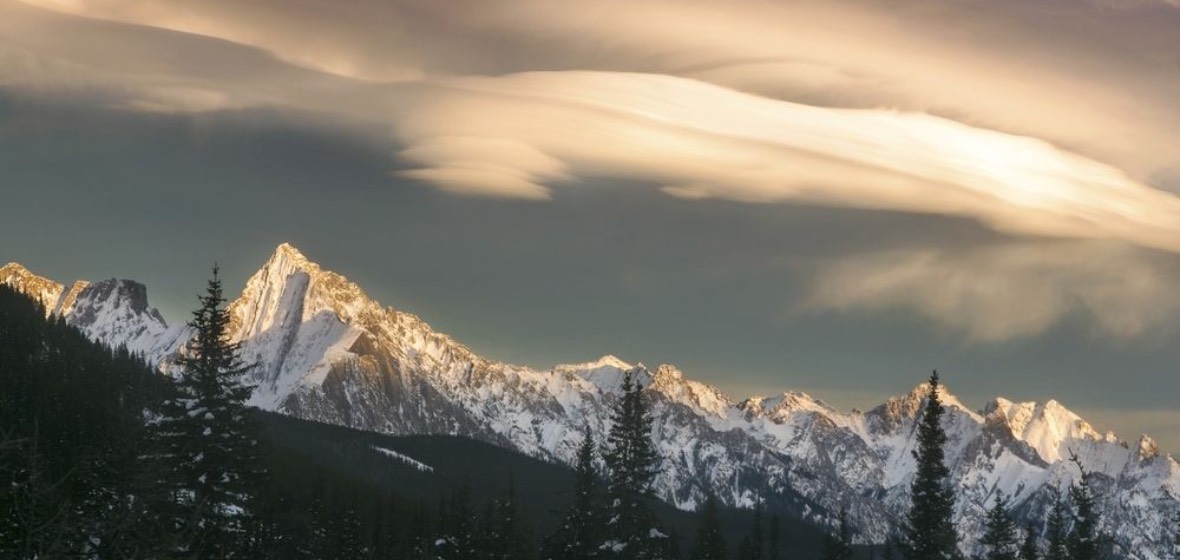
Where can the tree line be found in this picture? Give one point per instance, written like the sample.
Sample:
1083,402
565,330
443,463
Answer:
1073,526
102,457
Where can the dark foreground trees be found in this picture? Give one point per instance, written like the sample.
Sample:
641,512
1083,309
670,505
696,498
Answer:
632,531
580,532
1000,540
80,476
710,544
838,546
929,532
206,441
1085,540
70,431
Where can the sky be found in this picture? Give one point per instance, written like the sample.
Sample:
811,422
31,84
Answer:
832,196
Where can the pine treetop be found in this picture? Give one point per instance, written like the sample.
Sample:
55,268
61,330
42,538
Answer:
929,532
1000,539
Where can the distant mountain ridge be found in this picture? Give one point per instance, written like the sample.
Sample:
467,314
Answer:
328,352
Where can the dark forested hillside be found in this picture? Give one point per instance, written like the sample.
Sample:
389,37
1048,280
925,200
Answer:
79,472
71,425
542,489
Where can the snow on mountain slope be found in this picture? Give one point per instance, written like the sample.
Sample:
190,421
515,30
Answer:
1047,427
112,312
325,351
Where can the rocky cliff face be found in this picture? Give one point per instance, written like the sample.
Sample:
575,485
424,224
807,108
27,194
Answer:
325,351
114,312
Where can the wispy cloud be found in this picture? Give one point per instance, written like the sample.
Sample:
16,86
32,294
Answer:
1002,292
696,140
1033,124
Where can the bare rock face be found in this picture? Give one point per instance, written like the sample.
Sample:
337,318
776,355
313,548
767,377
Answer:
323,350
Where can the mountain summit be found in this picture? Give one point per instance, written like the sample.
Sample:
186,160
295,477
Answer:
114,312
325,351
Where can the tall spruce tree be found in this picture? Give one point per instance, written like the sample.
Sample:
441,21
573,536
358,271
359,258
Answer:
34,521
456,538
579,535
710,543
753,545
775,544
1030,550
632,530
344,532
71,428
506,536
838,545
207,436
1056,529
1000,541
1085,541
929,531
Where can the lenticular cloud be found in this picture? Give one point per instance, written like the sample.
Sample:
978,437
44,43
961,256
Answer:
519,135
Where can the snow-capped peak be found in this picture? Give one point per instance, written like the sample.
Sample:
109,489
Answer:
1147,448
287,251
290,289
701,397
37,287
114,312
784,405
605,373
609,360
908,405
1047,427
329,353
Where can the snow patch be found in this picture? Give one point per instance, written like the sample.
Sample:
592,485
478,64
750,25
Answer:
419,465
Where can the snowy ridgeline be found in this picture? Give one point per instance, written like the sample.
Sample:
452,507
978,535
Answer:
329,353
423,467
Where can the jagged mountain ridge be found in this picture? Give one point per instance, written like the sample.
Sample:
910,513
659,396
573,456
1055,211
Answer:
328,352
114,312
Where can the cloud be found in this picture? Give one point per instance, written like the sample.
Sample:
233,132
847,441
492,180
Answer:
1094,80
1008,291
485,167
1046,122
698,141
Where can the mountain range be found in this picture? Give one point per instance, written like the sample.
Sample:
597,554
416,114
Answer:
325,351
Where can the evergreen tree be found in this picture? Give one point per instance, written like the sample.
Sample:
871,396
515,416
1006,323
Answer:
71,426
1056,533
456,538
838,546
1085,542
35,521
632,530
710,543
1029,550
344,532
315,542
753,545
416,545
579,535
999,538
505,535
929,532
775,543
382,544
208,437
